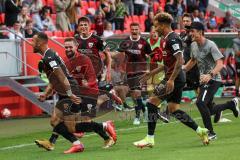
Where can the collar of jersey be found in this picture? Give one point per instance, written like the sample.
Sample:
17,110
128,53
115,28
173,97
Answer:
134,40
168,34
45,52
87,37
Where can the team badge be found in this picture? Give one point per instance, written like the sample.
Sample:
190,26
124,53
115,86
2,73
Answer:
78,68
140,46
90,45
164,44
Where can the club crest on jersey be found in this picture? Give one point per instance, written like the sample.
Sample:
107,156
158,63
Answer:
90,45
140,46
164,44
78,68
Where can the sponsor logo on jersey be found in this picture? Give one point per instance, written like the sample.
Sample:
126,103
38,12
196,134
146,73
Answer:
90,45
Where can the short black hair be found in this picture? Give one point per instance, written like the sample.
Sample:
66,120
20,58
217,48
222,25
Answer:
70,39
134,24
187,15
164,17
29,21
84,19
42,36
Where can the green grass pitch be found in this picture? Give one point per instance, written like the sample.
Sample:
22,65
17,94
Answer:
173,141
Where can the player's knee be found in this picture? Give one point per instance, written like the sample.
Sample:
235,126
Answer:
154,101
54,121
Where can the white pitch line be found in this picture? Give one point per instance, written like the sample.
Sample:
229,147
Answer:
92,134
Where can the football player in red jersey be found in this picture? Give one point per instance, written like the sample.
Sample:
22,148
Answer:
81,67
94,47
171,46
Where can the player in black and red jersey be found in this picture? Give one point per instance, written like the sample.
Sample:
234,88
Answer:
60,81
171,90
94,47
136,65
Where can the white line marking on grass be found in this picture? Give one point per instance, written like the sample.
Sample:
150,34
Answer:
92,134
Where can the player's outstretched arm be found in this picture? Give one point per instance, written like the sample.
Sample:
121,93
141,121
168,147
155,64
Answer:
65,85
190,64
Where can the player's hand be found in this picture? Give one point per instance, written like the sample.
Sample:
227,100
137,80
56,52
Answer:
205,78
169,86
84,83
75,99
42,97
145,77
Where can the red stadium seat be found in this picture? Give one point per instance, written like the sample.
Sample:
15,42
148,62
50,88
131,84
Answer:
49,33
142,18
58,33
135,18
85,4
155,6
92,4
83,11
68,34
118,32
2,18
97,4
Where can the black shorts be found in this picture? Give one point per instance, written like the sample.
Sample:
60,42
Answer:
192,79
133,81
176,95
88,106
238,68
207,92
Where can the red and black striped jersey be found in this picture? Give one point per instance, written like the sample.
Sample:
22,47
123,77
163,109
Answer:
170,45
137,55
92,46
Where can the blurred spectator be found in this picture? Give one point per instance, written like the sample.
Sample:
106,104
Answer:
16,30
173,10
196,15
62,20
29,30
3,34
129,5
108,8
23,16
120,13
160,9
192,5
236,49
138,7
227,22
71,12
47,21
35,8
99,23
180,10
203,5
154,41
149,21
12,8
108,30
211,22
91,13
2,6
203,19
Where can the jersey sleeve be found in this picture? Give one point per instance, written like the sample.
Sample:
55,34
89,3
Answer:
216,54
101,44
147,48
51,60
175,46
